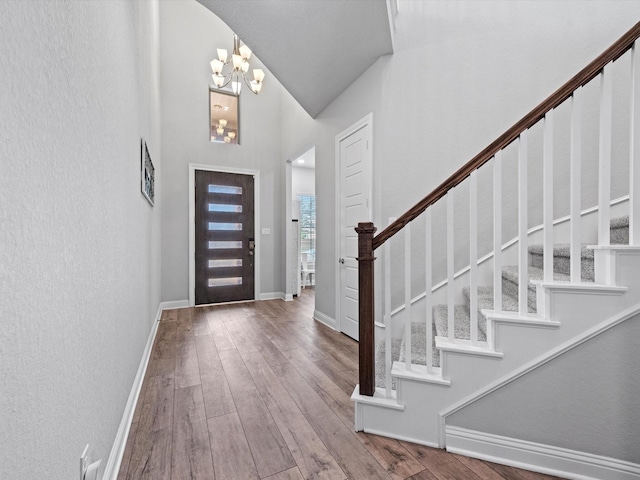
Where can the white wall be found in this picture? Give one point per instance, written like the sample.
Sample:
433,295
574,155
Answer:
190,36
79,244
462,73
584,400
303,182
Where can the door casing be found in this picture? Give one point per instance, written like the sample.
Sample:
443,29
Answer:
192,230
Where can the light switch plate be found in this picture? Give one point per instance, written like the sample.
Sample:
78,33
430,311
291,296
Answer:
266,231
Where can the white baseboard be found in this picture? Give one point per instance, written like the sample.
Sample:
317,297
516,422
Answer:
272,296
174,304
288,297
326,319
117,450
537,457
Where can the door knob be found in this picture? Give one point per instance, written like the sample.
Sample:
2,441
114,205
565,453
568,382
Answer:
341,260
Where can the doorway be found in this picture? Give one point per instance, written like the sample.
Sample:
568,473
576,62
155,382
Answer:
223,248
301,225
353,204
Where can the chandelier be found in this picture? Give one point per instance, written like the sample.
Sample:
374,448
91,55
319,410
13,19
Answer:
239,66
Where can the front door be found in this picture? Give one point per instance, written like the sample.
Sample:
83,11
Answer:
355,187
224,237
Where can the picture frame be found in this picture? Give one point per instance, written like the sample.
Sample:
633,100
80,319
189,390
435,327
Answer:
147,173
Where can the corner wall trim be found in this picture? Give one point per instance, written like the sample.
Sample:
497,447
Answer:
117,450
272,296
174,304
325,319
537,457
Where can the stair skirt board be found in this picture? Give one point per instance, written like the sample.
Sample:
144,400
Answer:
537,457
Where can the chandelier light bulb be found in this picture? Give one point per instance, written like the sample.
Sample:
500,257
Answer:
220,130
218,80
231,135
222,55
237,62
258,75
223,122
216,66
245,52
227,140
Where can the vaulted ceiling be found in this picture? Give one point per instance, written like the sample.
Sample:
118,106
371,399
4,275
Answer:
315,48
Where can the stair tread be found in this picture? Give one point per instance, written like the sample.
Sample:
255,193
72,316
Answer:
419,346
461,324
562,250
510,272
485,299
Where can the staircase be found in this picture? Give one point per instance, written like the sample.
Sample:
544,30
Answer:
519,307
485,300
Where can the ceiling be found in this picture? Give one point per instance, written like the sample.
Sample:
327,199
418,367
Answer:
316,49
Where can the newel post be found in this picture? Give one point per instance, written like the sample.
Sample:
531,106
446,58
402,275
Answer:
365,260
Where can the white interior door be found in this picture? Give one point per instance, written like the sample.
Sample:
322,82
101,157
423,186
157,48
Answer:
355,190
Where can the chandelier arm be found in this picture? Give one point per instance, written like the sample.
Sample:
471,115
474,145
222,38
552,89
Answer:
227,81
249,84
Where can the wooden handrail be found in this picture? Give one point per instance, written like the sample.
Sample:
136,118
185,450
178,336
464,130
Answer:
587,74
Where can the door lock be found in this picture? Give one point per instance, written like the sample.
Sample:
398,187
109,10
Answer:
252,246
341,260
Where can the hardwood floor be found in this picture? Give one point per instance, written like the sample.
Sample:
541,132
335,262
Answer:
261,391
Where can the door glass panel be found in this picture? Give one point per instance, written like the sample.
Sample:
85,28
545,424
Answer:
220,207
231,262
218,245
229,189
223,282
225,226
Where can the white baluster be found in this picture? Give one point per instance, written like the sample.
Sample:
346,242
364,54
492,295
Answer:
428,287
547,188
604,164
497,232
407,296
523,254
473,254
634,157
387,315
450,279
575,232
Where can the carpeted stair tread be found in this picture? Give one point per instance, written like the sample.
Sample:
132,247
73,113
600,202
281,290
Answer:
419,346
396,344
461,322
510,272
562,260
562,250
485,301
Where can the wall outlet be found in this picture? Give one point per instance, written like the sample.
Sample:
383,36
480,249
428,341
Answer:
84,461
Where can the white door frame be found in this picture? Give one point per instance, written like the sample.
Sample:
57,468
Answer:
192,228
363,122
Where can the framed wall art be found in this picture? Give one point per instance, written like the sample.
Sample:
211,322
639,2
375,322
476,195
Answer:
147,172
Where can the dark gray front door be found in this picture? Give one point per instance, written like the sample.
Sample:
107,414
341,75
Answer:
225,239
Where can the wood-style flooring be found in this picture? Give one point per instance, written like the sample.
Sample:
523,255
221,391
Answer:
262,391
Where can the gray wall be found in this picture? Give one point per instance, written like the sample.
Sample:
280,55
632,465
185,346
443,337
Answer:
462,73
585,400
190,36
79,244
